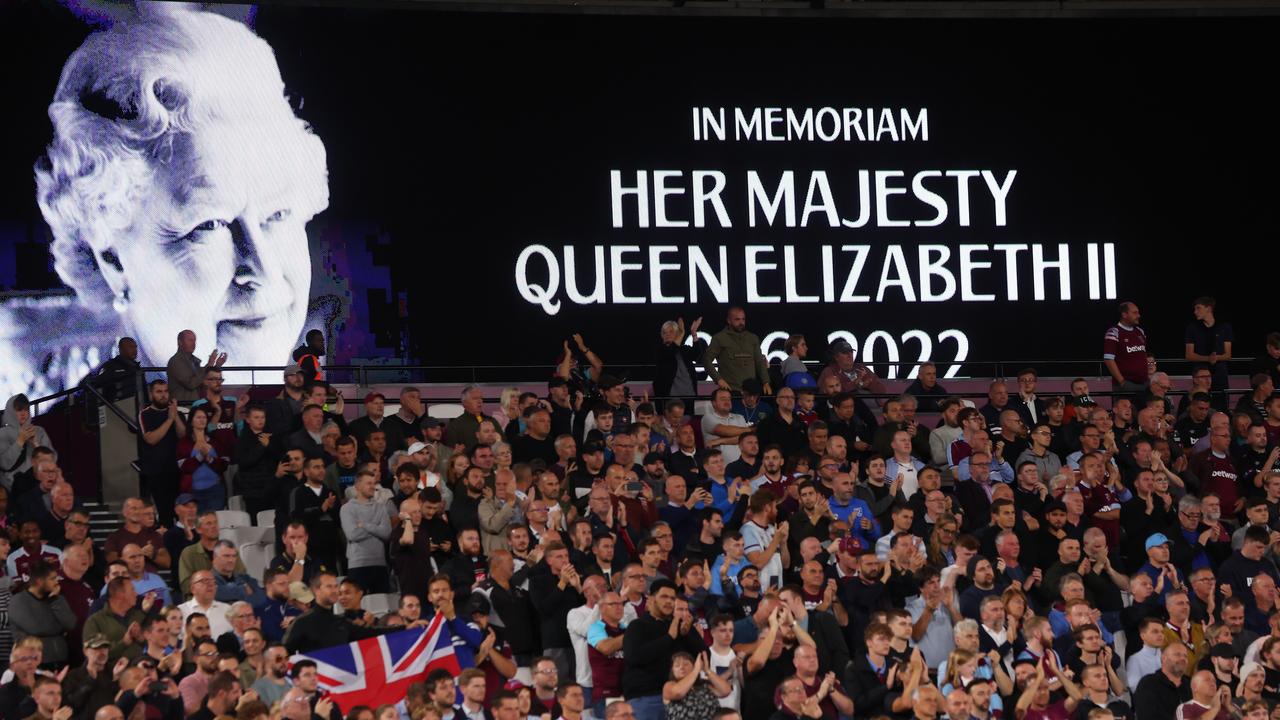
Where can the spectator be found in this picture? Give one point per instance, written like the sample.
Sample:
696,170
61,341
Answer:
295,560
1160,693
692,692
199,555
161,425
120,621
19,439
271,685
648,645
203,456
195,686
33,550
316,506
1124,352
555,589
40,612
149,586
204,589
721,428
367,529
320,627
734,355
275,615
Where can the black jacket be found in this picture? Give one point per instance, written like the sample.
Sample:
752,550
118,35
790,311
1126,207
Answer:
257,463
833,653
553,606
320,628
871,697
648,647
665,373
1157,699
791,437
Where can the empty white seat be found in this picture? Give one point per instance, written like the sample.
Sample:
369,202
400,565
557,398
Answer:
255,557
234,519
267,518
241,535
445,411
380,604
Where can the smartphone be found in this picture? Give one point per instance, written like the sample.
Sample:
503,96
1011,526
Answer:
635,487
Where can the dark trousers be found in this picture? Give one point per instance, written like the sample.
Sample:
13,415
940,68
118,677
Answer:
373,578
163,489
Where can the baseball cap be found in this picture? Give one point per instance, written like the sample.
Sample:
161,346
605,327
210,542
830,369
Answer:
797,380
374,396
653,457
97,640
294,369
417,447
752,386
1156,539
850,545
592,448
608,381
431,422
184,498
841,346
556,382
299,591
1223,650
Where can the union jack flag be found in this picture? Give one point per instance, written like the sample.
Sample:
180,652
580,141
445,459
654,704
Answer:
379,670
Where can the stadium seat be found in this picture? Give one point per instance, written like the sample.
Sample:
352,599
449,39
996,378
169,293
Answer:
249,534
255,557
380,604
267,518
234,519
445,411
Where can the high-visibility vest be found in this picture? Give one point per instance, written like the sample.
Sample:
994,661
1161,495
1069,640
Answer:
315,359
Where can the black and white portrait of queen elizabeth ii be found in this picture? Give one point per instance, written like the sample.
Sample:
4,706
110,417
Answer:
178,186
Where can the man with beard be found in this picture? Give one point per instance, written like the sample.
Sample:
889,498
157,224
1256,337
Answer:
271,685
467,638
277,613
315,506
469,567
465,511
160,427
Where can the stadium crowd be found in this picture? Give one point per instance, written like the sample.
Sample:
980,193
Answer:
806,548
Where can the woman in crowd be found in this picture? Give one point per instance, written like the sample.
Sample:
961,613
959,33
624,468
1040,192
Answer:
202,460
692,693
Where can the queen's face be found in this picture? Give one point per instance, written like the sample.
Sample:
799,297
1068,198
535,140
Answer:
219,245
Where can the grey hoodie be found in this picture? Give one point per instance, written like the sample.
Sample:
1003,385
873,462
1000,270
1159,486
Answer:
368,528
15,458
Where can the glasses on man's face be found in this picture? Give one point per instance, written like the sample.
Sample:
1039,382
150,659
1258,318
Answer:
546,671
77,522
212,653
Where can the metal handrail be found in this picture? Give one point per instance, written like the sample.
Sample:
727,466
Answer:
129,423
362,372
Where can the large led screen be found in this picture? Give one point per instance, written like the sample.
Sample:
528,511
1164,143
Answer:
452,188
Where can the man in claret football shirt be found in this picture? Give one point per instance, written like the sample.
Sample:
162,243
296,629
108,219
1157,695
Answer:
1124,351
